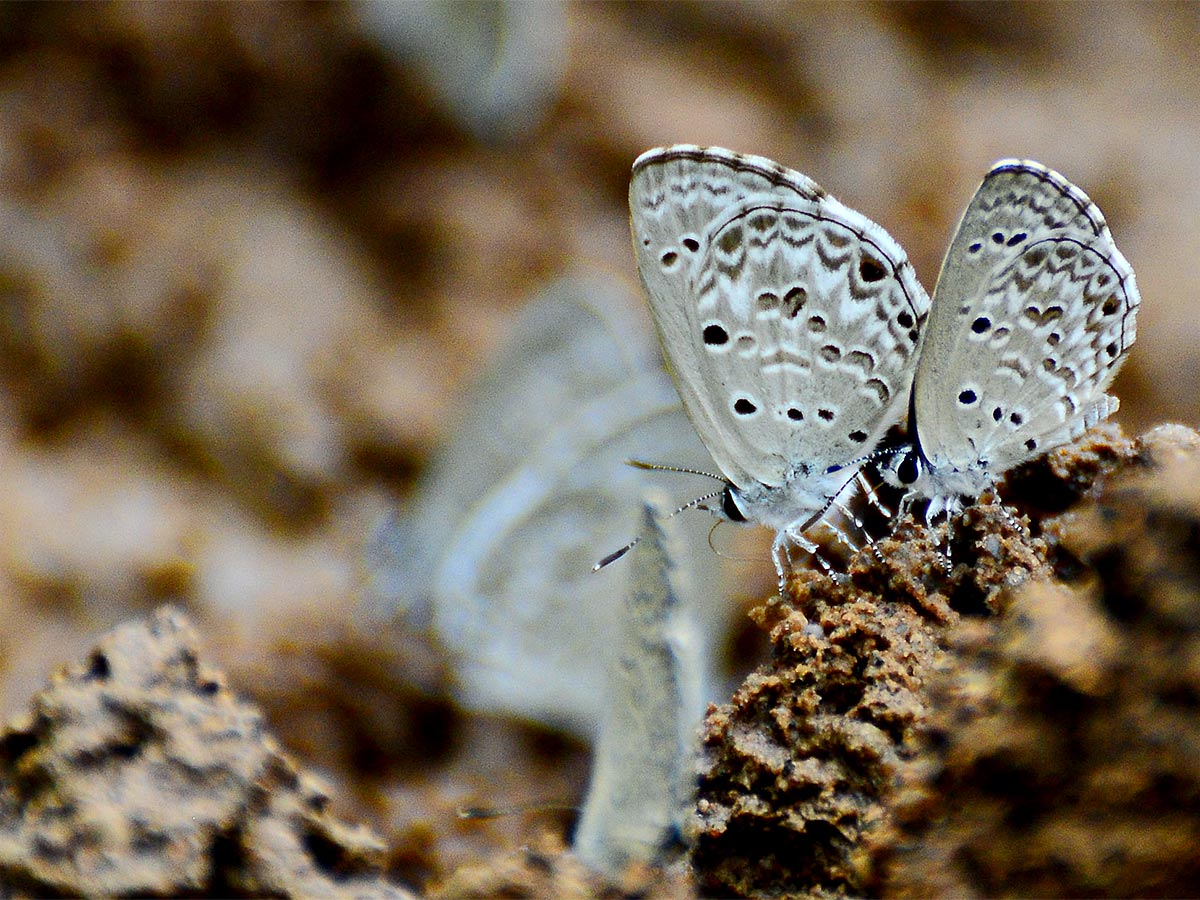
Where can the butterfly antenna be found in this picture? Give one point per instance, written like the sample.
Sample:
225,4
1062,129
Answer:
868,491
829,503
877,453
834,502
681,470
617,554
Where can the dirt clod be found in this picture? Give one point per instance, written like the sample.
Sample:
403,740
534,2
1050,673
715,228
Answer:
137,772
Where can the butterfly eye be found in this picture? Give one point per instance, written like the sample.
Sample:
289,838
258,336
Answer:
908,470
729,506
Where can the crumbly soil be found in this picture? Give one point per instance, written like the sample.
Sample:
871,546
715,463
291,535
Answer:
1061,755
1022,725
137,772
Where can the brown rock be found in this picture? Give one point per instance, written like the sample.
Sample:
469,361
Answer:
139,773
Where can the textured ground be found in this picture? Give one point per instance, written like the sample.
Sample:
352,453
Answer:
1023,725
1062,755
138,773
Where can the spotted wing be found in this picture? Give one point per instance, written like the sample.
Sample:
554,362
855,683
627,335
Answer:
1034,311
789,321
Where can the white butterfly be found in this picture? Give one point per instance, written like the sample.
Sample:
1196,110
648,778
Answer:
789,321
1034,311
496,550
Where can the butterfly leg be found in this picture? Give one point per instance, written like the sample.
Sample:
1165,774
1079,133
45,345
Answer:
783,561
873,500
842,537
809,546
872,497
946,545
1009,516
906,504
781,552
949,507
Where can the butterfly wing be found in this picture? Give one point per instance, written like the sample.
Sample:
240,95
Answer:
1034,311
643,783
517,600
496,551
789,321
580,339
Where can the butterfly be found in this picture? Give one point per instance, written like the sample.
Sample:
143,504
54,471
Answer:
1034,311
790,322
494,552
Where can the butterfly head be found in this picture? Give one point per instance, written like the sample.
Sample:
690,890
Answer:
944,485
903,467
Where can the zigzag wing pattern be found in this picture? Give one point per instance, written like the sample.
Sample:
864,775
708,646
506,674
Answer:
1033,315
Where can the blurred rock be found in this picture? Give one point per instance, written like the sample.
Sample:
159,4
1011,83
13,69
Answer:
546,870
137,772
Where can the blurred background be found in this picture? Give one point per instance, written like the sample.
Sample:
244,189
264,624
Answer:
252,254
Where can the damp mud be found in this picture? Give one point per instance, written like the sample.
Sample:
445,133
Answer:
1024,724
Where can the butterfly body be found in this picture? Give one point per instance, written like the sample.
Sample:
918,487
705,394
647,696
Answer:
798,498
